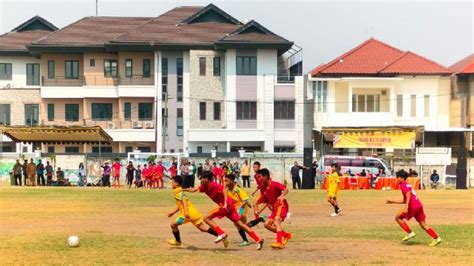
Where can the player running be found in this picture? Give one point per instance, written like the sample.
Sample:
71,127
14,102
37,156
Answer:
413,208
187,213
333,181
260,201
275,199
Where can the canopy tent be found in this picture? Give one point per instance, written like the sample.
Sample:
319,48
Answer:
56,134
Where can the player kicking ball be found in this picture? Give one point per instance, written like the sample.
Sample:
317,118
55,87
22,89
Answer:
275,200
413,208
187,213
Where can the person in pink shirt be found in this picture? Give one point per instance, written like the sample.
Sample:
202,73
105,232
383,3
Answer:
116,173
413,208
145,173
159,174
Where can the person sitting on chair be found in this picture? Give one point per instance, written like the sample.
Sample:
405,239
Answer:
61,181
434,179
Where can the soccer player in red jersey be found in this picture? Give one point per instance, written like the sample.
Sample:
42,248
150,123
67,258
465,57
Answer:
261,200
116,167
225,208
413,208
159,174
151,173
275,199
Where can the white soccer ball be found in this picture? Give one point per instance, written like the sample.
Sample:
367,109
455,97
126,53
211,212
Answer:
73,241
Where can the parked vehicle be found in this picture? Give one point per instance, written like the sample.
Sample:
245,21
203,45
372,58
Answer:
354,163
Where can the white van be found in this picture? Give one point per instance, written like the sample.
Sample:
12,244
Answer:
354,163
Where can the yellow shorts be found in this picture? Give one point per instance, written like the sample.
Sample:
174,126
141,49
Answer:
194,219
332,194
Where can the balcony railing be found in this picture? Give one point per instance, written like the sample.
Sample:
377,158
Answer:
98,80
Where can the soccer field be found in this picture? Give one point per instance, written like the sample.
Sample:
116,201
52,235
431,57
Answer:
130,227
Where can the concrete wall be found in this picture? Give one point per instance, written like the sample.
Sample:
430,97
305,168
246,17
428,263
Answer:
59,68
19,71
17,98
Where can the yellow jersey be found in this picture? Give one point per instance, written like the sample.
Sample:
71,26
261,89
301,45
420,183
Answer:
245,170
333,183
238,195
179,196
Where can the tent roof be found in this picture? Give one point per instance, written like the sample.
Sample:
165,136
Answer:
55,134
365,129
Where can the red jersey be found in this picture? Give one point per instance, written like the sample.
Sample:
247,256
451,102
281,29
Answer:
414,201
213,191
272,192
159,170
217,172
116,166
172,170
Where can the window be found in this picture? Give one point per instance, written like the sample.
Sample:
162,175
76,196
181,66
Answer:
71,69
164,75
179,73
128,68
101,111
413,105
127,111
199,149
110,68
399,105
202,66
71,149
146,68
5,71
72,112
202,111
145,111
246,110
217,66
144,149
179,122
50,112
217,111
284,110
427,106
31,114
51,69
247,65
51,149
106,149
32,74
92,62
128,149
366,103
284,149
320,93
5,114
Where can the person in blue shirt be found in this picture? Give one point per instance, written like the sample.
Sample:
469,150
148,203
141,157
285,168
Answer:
434,179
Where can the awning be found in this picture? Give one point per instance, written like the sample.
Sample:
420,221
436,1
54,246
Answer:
369,129
56,134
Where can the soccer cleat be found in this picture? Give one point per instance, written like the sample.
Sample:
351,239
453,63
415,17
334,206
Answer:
339,211
436,242
226,242
288,218
334,214
260,244
409,236
277,245
244,244
286,238
175,243
220,238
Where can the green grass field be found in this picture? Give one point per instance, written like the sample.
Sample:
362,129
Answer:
130,227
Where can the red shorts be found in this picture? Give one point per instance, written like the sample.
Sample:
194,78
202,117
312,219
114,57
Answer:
417,213
279,210
220,212
116,177
260,199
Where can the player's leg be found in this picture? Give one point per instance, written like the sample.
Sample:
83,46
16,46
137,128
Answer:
400,219
436,239
208,219
174,228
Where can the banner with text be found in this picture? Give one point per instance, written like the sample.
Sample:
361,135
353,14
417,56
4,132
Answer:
392,140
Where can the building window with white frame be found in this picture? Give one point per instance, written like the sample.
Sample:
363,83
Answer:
284,110
399,105
179,74
320,94
366,103
5,114
179,122
202,111
246,110
5,71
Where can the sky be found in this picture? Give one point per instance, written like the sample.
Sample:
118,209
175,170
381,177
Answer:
439,30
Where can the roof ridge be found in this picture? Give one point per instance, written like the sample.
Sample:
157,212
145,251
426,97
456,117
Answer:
59,30
393,62
207,8
248,25
408,52
36,17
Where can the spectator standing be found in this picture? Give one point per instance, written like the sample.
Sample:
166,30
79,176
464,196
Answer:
116,172
138,176
25,172
40,174
130,172
17,170
192,172
236,171
31,171
245,173
82,175
207,167
106,174
49,173
199,170
295,175
184,169
363,173
434,179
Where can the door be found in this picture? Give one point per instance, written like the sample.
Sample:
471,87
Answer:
32,74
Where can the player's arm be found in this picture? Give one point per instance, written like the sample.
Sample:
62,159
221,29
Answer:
185,207
398,201
191,189
283,194
173,212
253,193
258,210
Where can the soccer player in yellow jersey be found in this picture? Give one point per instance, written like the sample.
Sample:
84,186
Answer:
333,181
187,213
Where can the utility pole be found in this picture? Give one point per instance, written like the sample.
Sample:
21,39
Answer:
96,8
165,122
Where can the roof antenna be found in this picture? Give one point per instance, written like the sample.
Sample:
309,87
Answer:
96,8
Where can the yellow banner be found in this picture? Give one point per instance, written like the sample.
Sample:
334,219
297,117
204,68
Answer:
393,140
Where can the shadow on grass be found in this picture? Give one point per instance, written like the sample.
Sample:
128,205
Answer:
194,248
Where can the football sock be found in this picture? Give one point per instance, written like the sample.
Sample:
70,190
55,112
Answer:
177,236
285,234
242,234
212,232
336,208
279,236
218,230
255,222
405,227
254,236
432,233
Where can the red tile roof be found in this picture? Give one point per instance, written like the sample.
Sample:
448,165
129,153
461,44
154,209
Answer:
374,57
464,66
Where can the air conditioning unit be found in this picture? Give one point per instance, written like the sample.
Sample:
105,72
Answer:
384,92
8,86
149,124
110,125
137,124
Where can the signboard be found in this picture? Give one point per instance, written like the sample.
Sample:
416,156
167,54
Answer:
433,156
392,140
